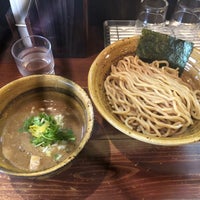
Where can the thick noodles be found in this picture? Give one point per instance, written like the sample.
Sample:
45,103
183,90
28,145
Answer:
151,99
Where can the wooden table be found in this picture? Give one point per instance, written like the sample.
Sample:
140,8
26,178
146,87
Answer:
112,165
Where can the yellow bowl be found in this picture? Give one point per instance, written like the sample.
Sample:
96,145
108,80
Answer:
99,70
13,95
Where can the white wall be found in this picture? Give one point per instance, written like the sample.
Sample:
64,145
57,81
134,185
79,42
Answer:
19,9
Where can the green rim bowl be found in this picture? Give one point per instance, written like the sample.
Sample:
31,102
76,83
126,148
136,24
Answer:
22,85
99,70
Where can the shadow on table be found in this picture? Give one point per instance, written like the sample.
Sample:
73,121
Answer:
79,181
175,160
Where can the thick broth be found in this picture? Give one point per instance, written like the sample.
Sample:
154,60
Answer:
16,146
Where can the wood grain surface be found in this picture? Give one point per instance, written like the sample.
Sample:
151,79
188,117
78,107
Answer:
112,165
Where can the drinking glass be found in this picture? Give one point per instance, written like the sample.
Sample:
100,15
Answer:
186,12
152,13
33,55
185,19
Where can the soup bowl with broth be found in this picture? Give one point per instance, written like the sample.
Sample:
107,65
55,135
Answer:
60,102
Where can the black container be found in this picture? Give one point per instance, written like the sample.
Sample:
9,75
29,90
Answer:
63,22
75,27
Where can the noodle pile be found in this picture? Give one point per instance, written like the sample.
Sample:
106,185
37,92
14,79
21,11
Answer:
151,99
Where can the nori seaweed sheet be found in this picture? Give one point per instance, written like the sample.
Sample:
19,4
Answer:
157,46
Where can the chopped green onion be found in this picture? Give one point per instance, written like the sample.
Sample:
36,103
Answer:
57,157
45,130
